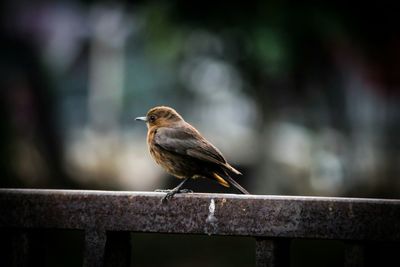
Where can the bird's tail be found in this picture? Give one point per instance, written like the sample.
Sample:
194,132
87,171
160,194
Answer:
236,185
230,181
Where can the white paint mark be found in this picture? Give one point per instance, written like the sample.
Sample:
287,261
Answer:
211,219
211,208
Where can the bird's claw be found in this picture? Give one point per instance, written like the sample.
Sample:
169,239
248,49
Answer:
171,193
185,191
162,190
168,196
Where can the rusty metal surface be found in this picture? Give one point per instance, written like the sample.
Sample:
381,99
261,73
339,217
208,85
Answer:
212,214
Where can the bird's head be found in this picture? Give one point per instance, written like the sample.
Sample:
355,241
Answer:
160,117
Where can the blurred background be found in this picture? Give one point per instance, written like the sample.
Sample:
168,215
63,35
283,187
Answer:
302,98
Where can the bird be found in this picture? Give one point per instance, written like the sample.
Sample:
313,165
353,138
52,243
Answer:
183,152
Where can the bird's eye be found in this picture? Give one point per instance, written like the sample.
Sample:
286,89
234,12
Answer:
152,118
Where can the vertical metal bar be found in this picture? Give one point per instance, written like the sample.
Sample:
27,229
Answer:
20,248
95,242
118,249
354,255
28,247
264,253
272,252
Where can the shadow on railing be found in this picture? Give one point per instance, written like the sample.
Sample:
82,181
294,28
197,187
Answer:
108,217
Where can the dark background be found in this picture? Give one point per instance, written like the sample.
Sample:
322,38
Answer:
303,98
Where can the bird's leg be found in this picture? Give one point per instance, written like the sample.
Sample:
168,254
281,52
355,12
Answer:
172,192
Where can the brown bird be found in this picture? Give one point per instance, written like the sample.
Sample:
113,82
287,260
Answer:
183,152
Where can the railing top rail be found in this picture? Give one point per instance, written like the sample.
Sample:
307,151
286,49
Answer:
212,214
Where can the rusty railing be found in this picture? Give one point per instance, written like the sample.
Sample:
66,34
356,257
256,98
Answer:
108,217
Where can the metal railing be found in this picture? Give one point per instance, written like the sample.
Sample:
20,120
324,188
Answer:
108,217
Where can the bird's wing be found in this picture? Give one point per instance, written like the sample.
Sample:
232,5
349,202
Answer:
187,141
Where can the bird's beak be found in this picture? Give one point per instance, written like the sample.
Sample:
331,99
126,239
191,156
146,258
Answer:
141,119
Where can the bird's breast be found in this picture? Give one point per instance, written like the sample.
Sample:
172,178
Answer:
172,164
162,157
